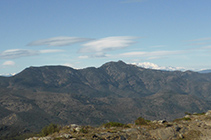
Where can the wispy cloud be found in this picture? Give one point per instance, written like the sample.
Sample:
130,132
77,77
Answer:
96,55
83,57
67,64
107,44
205,47
198,43
17,53
58,41
200,39
8,63
151,54
51,51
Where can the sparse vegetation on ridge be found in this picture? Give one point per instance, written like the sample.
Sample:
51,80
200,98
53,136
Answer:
114,124
141,121
50,129
195,128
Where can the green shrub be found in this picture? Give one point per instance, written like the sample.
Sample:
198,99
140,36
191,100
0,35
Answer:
84,129
52,128
182,119
141,121
202,113
187,113
114,124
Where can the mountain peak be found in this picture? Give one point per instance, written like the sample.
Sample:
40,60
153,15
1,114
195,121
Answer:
119,63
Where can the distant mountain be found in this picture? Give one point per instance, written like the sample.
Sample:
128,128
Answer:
116,91
205,71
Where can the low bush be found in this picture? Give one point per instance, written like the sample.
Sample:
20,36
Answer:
114,124
187,113
182,119
52,128
84,129
202,113
141,121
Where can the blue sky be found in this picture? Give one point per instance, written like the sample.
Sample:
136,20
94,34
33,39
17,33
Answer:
85,33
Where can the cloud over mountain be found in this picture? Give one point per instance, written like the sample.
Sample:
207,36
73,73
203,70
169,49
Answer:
153,54
150,65
107,44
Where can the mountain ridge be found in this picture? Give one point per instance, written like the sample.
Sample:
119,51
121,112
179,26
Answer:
115,91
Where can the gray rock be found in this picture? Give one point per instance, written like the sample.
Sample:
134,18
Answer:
45,138
162,121
67,136
181,136
163,133
208,113
187,116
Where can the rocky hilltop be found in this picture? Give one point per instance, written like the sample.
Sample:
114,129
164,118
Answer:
191,127
114,92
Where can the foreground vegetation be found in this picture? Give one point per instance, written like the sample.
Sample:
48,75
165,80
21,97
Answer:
192,126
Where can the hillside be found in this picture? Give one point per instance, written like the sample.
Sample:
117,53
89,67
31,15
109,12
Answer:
191,127
116,91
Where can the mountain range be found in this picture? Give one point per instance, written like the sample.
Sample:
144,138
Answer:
116,91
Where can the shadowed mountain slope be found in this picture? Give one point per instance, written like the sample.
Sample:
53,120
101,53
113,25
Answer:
115,91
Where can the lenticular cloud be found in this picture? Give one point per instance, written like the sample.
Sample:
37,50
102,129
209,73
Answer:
17,53
107,44
58,41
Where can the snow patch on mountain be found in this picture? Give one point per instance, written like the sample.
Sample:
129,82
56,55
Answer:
8,74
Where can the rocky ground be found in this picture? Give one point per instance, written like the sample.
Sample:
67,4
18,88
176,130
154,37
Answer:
191,127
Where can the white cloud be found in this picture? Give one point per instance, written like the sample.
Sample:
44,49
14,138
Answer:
100,54
151,54
83,57
198,43
17,53
68,65
107,44
8,63
206,47
51,51
58,41
150,65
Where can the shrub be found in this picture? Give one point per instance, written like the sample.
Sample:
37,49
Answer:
182,119
114,124
52,128
84,129
187,113
141,121
202,113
